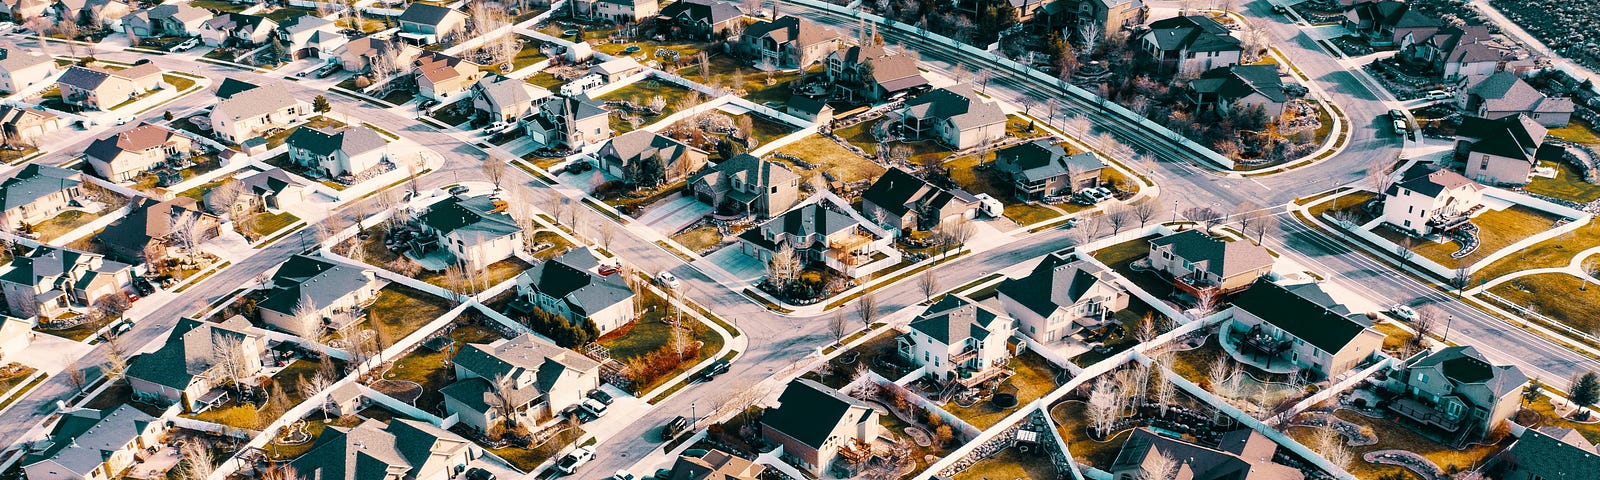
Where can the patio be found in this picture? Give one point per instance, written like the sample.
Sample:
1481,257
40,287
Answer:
1259,350
153,466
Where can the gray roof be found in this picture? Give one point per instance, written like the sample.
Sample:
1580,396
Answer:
304,277
1044,159
636,145
83,439
512,358
1223,258
83,77
790,28
809,411
1238,81
571,279
958,103
709,11
270,181
372,450
188,351
747,169
255,102
1057,281
1553,453
954,319
1195,33
65,267
34,182
1471,372
1505,92
472,218
1243,455
352,141
13,58
503,90
801,225
303,23
425,14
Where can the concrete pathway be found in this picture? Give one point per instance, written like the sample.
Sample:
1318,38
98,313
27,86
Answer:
1573,267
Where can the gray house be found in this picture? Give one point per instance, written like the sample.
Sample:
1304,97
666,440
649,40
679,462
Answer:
1504,94
308,294
1456,393
1042,169
571,286
746,184
539,378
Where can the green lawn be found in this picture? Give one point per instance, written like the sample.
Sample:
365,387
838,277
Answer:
726,71
281,14
1568,184
828,156
1121,255
649,333
13,374
1023,127
1034,378
1576,131
529,54
964,172
400,310
179,83
266,224
1553,252
1008,464
1497,229
1547,417
498,272
640,93
1565,298
686,50
429,368
545,80
221,5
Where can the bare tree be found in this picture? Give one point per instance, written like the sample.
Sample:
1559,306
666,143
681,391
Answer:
606,232
837,326
116,359
221,199
783,267
197,459
1217,376
928,283
230,362
493,168
867,308
1118,216
1165,392
507,398
1158,466
1252,220
307,319
1104,405
1331,445
1091,37
75,374
456,277
187,232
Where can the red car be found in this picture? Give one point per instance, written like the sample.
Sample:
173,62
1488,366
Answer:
607,270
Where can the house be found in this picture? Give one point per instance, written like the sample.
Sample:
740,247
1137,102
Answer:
954,115
195,362
350,151
123,156
616,11
441,77
1546,453
1191,44
1389,23
1239,88
1457,391
310,36
1504,94
51,280
504,99
899,201
401,448
99,89
817,234
745,184
872,72
1062,296
572,287
307,294
812,421
1107,16
1454,53
568,122
1239,455
22,68
616,69
1500,151
245,114
1427,197
1041,169
815,109
178,223
1200,263
95,14
538,379
20,11
959,341
38,193
715,465
643,157
237,29
361,53
25,126
788,42
1298,327
426,24
167,20
701,19
261,191
473,231
93,444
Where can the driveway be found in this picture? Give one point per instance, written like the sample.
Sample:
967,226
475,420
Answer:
745,268
673,214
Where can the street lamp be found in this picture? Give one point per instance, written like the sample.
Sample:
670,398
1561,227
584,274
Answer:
1447,320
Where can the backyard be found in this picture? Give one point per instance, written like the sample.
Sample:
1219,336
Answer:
558,244
651,333
965,173
1120,256
1010,463
640,94
875,354
747,81
1393,436
1497,229
699,239
1034,378
430,368
823,155
65,222
1568,184
1072,424
922,151
400,310
1565,298
497,272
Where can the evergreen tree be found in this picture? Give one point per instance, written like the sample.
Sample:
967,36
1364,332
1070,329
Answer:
1586,390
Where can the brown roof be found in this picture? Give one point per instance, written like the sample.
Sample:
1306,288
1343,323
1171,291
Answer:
439,67
136,139
138,71
715,465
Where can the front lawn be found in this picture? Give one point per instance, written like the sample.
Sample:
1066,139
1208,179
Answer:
321,122
400,310
61,224
1553,252
179,83
640,94
498,272
265,224
650,333
1562,297
699,239
1034,378
1497,229
1121,255
1567,185
824,155
454,114
558,244
430,369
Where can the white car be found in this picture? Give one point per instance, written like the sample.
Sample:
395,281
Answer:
666,278
7,26
124,120
570,463
186,45
594,407
1403,312
1438,95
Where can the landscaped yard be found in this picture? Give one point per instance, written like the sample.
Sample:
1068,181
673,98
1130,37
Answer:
1072,424
203,164
640,94
1121,255
454,114
1576,131
9,155
869,354
922,151
178,82
529,54
1023,127
1553,252
1035,377
558,244
400,310
965,173
63,223
649,333
1393,436
1565,298
648,48
12,375
498,272
1567,185
545,80
1548,417
222,5
765,130
754,86
368,25
431,368
699,239
631,202
79,332
266,224
826,156
1497,229
1011,463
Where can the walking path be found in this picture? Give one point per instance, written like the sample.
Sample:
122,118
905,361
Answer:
1573,267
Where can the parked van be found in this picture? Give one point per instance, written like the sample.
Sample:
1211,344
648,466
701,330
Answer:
582,84
1438,95
988,205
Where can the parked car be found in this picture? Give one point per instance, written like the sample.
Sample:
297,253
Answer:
476,473
674,427
7,26
601,396
1438,95
622,475
666,279
328,70
718,367
1403,312
426,104
570,463
663,474
457,190
607,270
186,45
594,407
1396,114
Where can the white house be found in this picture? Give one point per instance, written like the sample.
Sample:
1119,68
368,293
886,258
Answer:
1428,196
1061,296
350,151
539,377
959,341
243,114
473,231
571,286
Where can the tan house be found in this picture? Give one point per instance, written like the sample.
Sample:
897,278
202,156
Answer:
788,42
246,113
1061,297
99,89
38,193
568,122
819,236
173,19
504,99
812,421
51,281
1499,152
237,29
93,444
21,125
1239,455
955,115
444,77
401,448
1042,169
1504,94
1457,392
176,225
360,54
715,465
1298,327
192,368
123,156
624,155
872,72
746,184
22,68
1198,262
1109,16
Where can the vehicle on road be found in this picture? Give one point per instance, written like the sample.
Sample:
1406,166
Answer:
663,474
124,120
622,475
7,26
457,190
666,279
1438,95
570,463
718,367
674,427
476,473
1403,312
1396,114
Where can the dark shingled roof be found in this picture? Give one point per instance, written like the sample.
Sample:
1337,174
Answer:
954,319
1465,366
1239,81
372,450
568,278
1299,316
808,411
306,277
1223,258
1043,159
1515,136
1430,179
33,182
801,223
230,87
1196,33
424,14
1553,453
709,11
1056,281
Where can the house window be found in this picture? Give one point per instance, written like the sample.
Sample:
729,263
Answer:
1410,209
1483,162
1422,377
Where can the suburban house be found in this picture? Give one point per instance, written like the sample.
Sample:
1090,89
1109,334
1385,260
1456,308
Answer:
472,231
1238,88
614,70
1428,197
237,29
567,122
1501,151
1454,53
900,202
170,224
1389,23
815,109
193,365
571,286
93,444
701,19
1191,44
310,36
1041,169
1240,455
641,150
1061,297
538,378
51,280
333,154
715,465
812,421
1299,328
745,184
25,126
1546,453
261,191
94,14
307,294
818,235
959,341
1504,94
426,24
441,77
788,42
22,68
20,11
620,12
167,20
1200,263
1455,390
872,72
245,114
1107,16
123,156
503,99
402,448
955,115
99,89
361,53
38,193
